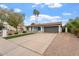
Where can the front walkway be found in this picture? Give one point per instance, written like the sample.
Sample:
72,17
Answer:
64,44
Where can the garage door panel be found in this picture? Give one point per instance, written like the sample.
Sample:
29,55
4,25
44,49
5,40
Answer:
51,29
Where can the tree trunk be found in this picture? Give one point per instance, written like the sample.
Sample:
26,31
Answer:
36,19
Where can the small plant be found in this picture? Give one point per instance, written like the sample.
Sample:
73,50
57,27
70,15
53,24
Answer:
16,32
9,34
24,31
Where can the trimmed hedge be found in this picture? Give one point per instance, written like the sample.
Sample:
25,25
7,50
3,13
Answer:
17,35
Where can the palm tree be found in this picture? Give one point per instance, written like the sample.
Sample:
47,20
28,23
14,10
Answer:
36,13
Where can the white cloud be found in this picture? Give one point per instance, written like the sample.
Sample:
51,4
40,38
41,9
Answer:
66,13
3,6
26,23
34,6
54,5
32,17
17,10
48,17
50,5
43,17
38,4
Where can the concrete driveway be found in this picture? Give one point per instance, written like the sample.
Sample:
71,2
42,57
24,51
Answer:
65,44
36,43
8,48
48,44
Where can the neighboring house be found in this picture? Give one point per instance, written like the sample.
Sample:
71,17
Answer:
55,27
21,28
8,27
5,29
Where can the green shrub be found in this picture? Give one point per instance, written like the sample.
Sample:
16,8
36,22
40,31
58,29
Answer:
17,35
73,25
9,34
24,31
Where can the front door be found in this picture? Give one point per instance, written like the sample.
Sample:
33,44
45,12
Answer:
39,28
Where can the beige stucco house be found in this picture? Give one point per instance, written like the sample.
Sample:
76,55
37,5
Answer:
55,27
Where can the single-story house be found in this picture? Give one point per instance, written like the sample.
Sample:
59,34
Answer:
55,27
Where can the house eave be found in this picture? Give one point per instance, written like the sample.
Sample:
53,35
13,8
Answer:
46,24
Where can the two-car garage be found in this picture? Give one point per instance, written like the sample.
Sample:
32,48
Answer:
52,29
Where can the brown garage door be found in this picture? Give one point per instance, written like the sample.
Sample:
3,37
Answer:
53,29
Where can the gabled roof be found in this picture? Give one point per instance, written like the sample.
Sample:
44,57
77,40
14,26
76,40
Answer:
46,24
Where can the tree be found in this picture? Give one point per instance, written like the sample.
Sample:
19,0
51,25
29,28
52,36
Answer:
3,14
36,13
13,18
73,24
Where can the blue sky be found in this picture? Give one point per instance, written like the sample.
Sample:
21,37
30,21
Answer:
49,12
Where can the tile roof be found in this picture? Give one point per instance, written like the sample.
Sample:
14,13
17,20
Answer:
46,24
